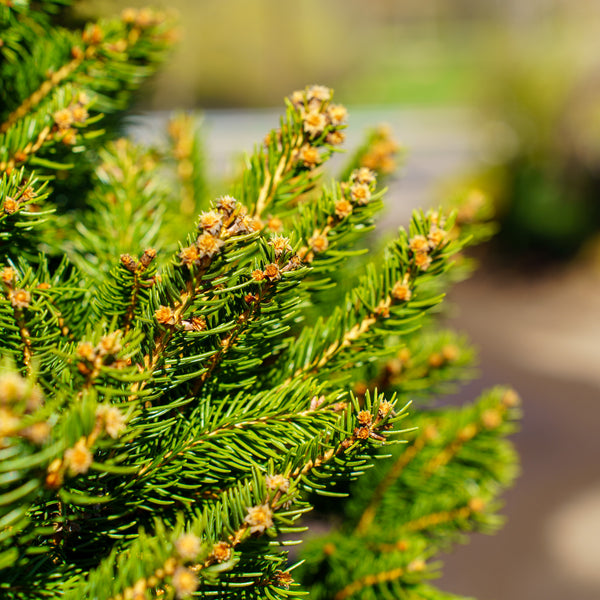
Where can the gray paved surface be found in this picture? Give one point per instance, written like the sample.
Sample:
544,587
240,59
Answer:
540,335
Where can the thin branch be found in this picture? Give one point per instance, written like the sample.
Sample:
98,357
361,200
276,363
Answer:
45,88
392,475
433,519
31,148
269,187
369,580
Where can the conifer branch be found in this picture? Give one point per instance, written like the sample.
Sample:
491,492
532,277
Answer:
379,153
336,219
19,298
483,420
384,485
46,116
45,88
26,339
430,363
21,155
385,300
200,439
188,158
22,216
369,580
272,181
140,281
287,165
490,419
268,282
183,381
241,324
196,261
434,519
135,289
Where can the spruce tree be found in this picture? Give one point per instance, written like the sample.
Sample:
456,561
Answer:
175,396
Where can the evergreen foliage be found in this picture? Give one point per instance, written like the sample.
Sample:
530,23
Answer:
173,398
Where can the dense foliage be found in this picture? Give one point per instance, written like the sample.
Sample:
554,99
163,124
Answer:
174,397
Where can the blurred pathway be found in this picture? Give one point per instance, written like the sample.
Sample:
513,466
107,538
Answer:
435,139
540,334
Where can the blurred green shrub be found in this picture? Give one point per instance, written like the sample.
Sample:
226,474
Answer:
547,182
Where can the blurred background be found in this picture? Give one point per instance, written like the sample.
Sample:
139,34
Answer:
501,95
